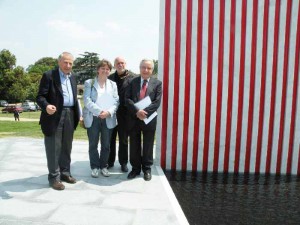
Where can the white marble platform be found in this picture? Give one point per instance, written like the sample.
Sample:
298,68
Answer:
25,196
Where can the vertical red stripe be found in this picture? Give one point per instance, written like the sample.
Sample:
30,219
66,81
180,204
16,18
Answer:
295,97
220,86
198,84
165,84
176,84
241,87
263,87
273,88
284,84
187,84
230,85
208,84
252,86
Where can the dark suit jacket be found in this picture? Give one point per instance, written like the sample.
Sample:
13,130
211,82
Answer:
154,91
121,85
50,92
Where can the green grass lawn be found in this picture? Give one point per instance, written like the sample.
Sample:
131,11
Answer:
30,129
29,115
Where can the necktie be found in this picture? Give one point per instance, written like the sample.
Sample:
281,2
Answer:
143,89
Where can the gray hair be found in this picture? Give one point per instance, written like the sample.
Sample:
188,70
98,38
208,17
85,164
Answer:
64,54
147,60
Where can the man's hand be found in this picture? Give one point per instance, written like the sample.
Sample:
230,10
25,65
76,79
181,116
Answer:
51,109
104,114
141,114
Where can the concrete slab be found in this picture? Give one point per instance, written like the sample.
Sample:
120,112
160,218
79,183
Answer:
25,196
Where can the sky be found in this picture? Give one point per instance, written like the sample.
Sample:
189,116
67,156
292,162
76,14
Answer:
33,29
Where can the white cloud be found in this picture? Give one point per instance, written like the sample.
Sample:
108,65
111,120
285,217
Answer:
74,29
113,26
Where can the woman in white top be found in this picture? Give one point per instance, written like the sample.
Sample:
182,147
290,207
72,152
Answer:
101,101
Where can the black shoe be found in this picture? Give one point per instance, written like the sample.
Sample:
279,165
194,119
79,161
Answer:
110,165
57,185
133,174
68,179
147,176
124,168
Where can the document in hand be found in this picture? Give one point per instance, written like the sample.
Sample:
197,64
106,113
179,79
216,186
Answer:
145,102
106,101
142,104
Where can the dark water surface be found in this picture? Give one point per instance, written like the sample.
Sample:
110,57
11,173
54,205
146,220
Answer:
237,199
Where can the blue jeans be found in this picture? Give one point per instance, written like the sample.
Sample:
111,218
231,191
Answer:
99,128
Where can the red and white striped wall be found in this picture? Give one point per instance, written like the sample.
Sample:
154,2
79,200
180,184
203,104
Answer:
230,72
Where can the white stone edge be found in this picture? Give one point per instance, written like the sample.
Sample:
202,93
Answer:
171,196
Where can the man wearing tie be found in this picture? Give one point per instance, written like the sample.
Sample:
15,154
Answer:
141,152
57,98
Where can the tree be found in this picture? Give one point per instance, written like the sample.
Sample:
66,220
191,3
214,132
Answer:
35,73
85,66
42,65
155,70
16,85
7,61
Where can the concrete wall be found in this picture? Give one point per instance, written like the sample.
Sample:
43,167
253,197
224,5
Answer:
230,86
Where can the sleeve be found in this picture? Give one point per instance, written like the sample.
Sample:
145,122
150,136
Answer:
156,100
112,110
88,102
43,92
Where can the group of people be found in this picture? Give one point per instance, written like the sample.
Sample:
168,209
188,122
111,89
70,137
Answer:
110,109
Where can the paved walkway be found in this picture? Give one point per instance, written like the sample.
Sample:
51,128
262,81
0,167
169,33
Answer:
25,197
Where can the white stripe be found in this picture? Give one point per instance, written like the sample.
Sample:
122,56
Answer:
269,71
295,162
290,80
225,84
296,152
181,84
160,77
260,23
192,85
203,81
279,85
171,83
235,84
214,87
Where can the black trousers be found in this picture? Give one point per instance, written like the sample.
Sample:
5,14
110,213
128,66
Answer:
122,132
59,146
141,148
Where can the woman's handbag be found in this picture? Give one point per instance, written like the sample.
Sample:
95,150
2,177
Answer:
84,111
81,123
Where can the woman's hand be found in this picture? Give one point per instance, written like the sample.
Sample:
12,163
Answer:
104,114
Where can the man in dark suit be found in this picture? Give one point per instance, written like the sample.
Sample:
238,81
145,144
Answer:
141,154
57,98
122,77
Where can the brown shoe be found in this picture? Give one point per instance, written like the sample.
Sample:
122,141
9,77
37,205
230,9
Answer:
68,179
57,185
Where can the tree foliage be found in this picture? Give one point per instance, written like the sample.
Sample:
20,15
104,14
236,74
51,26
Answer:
42,65
7,61
16,84
85,66
155,70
